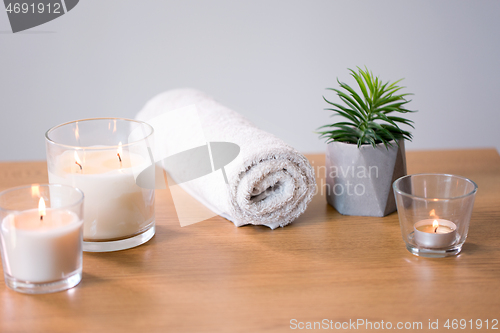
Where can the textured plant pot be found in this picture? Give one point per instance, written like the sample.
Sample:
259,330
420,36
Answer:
359,180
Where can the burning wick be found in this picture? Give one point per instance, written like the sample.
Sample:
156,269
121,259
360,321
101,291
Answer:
118,153
41,208
435,225
77,161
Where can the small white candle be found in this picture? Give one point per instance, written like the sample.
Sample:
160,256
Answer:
42,245
115,206
435,233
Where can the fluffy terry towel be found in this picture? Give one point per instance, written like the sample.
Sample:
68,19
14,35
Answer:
268,183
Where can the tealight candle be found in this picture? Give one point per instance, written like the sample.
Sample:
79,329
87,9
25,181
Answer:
425,203
42,247
435,233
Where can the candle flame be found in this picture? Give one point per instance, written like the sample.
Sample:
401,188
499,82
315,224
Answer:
35,191
77,161
435,225
119,151
41,208
114,125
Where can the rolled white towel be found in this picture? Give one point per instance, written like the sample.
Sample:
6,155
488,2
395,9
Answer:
269,182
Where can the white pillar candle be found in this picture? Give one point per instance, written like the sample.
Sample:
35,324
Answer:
435,233
42,250
115,206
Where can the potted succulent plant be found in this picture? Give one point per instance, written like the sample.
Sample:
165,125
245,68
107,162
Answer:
365,151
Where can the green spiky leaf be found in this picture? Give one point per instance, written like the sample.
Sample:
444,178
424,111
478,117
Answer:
367,114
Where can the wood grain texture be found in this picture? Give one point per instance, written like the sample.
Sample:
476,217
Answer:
214,277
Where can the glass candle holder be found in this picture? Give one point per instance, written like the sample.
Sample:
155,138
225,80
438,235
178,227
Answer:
434,212
105,158
41,229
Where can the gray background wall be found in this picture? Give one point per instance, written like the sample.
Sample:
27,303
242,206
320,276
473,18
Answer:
269,60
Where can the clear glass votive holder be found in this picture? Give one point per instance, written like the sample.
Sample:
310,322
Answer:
434,212
107,158
41,234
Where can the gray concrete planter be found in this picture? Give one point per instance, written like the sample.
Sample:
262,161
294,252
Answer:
359,180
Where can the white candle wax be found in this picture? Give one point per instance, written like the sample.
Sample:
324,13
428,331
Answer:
115,206
42,250
428,235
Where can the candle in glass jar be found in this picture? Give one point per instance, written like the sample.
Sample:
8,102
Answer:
42,245
435,233
115,206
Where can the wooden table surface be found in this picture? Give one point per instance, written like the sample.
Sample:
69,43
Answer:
214,277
